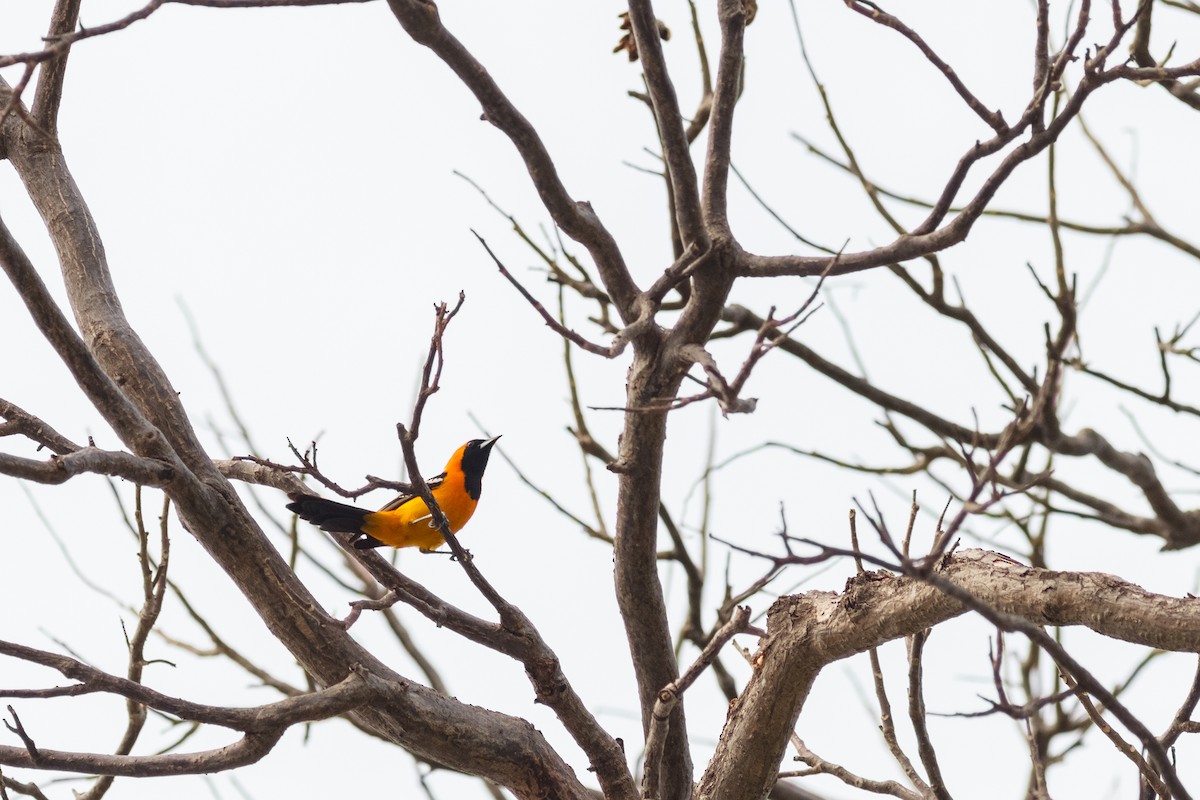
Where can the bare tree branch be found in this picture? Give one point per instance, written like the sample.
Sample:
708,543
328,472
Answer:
681,172
421,21
808,632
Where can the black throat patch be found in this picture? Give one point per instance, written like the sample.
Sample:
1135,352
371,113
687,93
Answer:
474,462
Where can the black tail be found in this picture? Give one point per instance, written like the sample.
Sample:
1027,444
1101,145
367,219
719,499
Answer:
326,514
333,517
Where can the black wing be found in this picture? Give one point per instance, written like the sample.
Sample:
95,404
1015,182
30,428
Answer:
433,483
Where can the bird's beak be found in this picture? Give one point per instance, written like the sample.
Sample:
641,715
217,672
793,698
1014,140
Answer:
488,444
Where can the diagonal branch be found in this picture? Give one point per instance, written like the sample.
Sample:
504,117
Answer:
612,351
48,95
994,119
423,23
732,14
681,171
126,420
928,237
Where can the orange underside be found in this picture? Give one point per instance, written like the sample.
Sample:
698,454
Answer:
411,526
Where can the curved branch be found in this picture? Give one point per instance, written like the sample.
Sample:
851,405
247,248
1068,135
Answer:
357,689
1140,50
1144,227
18,421
60,469
808,632
927,238
249,749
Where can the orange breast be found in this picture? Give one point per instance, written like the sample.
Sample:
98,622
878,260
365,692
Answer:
410,525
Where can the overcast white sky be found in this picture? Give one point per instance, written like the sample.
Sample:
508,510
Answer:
287,176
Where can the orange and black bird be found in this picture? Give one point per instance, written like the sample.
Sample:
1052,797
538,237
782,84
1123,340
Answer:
407,521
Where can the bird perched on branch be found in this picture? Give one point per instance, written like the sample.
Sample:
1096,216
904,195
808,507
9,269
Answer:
407,521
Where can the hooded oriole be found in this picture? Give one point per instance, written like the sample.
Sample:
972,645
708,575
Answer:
406,521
